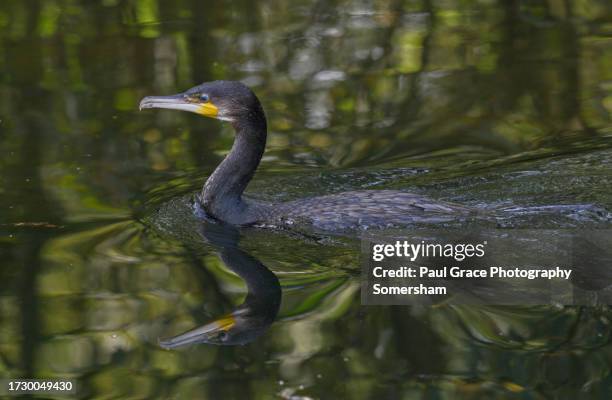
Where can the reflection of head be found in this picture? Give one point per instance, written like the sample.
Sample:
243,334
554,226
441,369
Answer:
260,307
240,327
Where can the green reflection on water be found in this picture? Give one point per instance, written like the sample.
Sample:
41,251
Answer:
482,102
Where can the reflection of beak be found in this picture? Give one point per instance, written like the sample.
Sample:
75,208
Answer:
204,334
180,102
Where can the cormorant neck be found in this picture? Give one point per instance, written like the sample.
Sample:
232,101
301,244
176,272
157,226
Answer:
222,193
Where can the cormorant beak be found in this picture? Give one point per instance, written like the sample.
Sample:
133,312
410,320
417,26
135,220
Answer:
213,333
180,102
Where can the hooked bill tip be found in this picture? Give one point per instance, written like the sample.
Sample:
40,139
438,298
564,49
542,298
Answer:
165,344
144,103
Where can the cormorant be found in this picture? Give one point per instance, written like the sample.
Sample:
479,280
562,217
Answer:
222,195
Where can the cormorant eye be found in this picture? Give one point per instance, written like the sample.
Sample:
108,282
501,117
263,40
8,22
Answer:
204,97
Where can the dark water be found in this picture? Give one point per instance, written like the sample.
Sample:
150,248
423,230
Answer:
494,104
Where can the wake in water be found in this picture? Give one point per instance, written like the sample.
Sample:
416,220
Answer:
555,216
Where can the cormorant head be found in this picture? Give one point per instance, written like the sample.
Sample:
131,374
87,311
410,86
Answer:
224,100
240,327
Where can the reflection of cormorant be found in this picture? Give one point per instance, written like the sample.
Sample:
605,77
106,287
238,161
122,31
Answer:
255,315
222,197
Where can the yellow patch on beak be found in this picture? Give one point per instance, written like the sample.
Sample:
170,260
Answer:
208,109
226,322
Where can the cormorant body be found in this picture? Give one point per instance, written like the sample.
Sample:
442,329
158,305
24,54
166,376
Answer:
222,195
